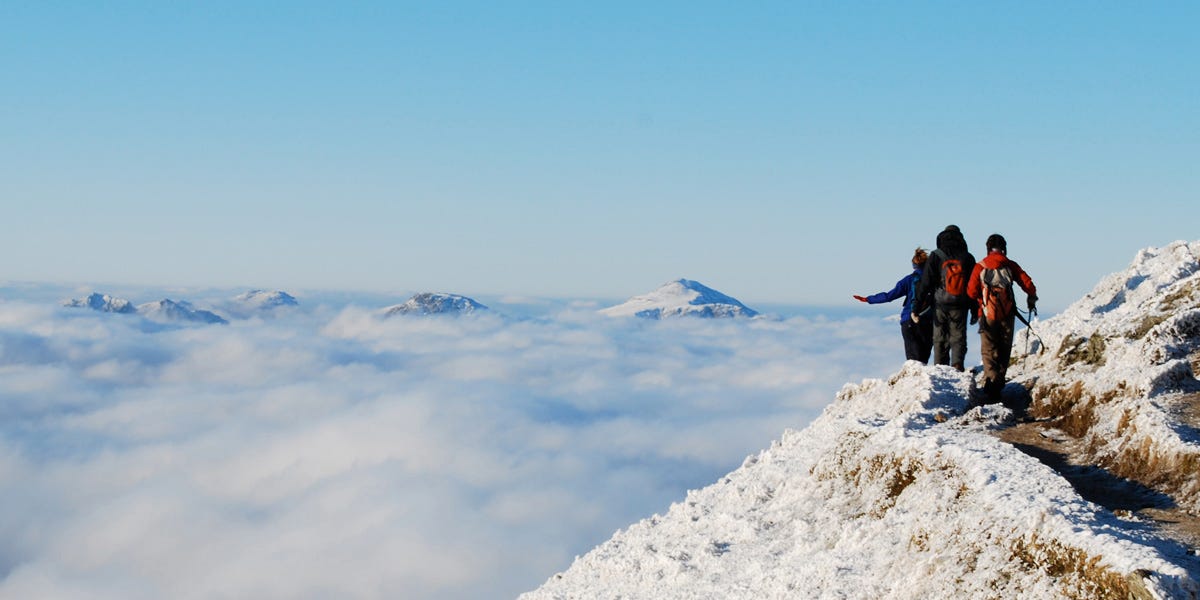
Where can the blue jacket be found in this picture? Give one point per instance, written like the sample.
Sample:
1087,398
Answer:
904,289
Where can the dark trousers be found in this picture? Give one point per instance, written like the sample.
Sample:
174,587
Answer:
995,347
950,335
918,339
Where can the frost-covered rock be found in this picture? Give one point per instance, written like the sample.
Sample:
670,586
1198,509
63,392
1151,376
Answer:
170,311
435,304
102,303
682,297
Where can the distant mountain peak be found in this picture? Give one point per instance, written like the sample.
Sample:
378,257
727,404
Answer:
681,297
266,299
167,310
435,303
102,303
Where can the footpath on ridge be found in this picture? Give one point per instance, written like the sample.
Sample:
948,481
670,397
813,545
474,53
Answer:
1129,500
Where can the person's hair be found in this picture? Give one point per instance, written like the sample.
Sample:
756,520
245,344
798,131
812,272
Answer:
920,256
997,242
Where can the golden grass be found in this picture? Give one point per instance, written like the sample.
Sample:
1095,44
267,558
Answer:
1079,574
1074,411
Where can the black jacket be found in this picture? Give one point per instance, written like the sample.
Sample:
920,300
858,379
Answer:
950,244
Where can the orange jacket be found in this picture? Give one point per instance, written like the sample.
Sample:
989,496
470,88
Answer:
995,260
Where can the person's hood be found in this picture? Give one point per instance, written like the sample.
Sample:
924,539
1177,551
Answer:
951,242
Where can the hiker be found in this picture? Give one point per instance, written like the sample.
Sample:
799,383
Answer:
918,336
990,286
943,285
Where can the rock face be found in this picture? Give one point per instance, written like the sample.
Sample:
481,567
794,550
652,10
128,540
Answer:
102,303
435,304
680,298
901,489
170,311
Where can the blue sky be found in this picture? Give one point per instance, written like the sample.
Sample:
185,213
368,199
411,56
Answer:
779,152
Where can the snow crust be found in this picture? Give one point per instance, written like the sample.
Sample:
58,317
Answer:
682,297
899,491
435,303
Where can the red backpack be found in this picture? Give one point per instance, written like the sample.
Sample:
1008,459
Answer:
954,281
997,300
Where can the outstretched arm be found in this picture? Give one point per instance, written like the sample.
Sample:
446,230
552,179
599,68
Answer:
900,291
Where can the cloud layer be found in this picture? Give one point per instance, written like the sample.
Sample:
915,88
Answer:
332,453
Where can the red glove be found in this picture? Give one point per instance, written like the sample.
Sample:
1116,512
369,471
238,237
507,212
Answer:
860,298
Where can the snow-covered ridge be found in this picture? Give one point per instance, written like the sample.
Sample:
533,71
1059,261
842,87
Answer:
899,491
1115,366
883,496
435,304
682,297
245,305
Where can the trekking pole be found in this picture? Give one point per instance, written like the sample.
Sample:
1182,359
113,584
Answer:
1041,344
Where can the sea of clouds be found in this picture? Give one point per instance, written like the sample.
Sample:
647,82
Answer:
327,452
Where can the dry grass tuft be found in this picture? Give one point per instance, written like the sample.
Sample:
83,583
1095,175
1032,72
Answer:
1079,574
1140,458
1077,349
1089,351
1146,323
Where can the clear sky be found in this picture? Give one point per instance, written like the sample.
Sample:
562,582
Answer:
776,151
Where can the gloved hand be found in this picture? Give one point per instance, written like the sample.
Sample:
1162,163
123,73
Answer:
1032,304
860,298
974,317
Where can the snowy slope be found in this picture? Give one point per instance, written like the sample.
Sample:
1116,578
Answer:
1115,365
682,297
435,304
899,491
102,303
170,311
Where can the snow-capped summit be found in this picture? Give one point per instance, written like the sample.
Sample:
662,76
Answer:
904,489
102,303
682,297
265,300
435,304
170,311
